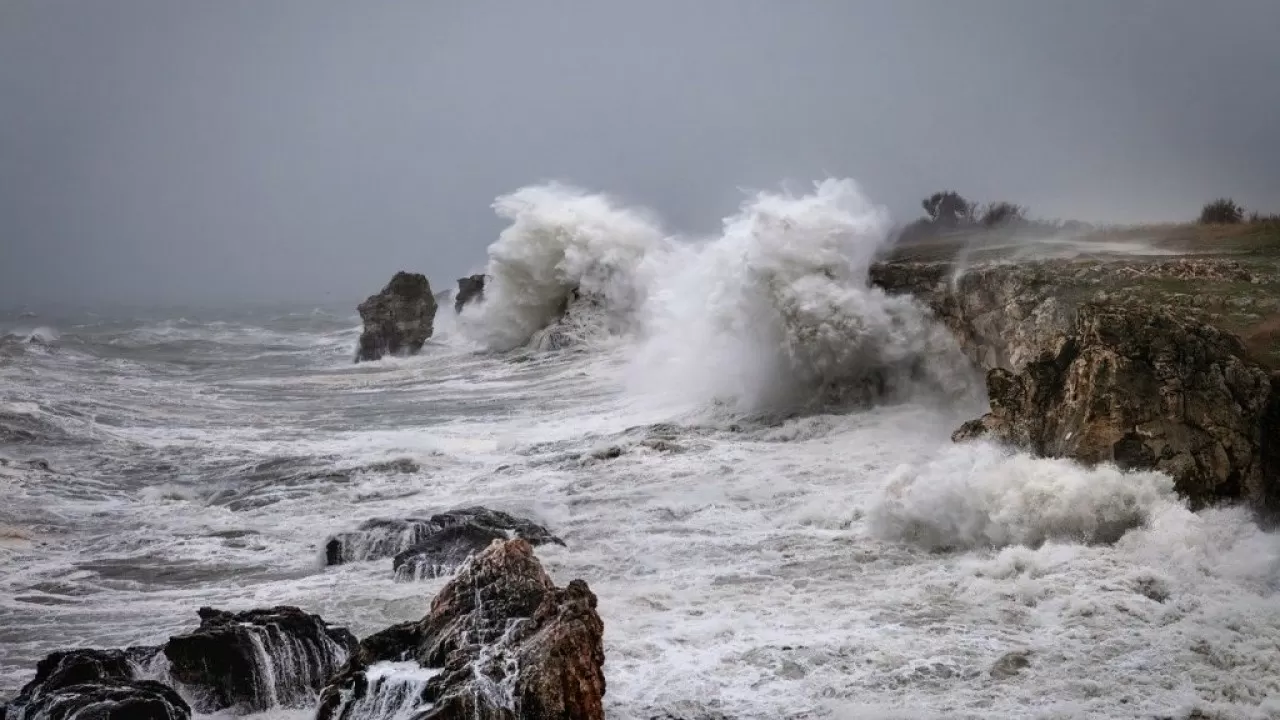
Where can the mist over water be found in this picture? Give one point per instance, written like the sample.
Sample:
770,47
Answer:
744,446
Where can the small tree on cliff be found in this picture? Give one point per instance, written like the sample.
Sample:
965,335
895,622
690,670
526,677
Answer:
1221,211
948,208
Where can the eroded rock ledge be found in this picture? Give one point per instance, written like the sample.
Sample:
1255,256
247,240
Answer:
1131,362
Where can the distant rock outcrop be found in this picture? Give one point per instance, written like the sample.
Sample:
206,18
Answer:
470,289
259,659
398,320
1081,364
96,685
433,546
500,642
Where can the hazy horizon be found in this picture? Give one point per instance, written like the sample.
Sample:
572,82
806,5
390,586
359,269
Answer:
241,153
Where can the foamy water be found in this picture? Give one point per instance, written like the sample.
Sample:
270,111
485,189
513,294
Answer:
756,553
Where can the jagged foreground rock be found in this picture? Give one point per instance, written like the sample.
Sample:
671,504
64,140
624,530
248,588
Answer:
470,289
93,685
399,319
500,642
1077,368
433,546
256,660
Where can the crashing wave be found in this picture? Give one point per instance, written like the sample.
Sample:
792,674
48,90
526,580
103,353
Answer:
778,312
570,258
980,495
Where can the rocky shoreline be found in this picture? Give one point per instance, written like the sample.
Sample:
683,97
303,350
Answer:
1137,363
500,642
1150,365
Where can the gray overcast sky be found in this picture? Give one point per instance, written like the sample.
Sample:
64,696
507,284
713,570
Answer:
175,150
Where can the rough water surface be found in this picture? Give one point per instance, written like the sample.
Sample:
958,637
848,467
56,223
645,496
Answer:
842,561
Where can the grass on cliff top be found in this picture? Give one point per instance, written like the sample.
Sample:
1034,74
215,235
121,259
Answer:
1249,310
1247,240
1229,239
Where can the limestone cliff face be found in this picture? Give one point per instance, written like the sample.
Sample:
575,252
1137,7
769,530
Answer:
1002,315
1076,369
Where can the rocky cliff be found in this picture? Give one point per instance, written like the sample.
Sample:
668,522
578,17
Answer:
1135,362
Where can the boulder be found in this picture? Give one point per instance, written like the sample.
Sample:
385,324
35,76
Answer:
500,642
389,537
1144,389
398,320
259,659
94,685
470,289
106,700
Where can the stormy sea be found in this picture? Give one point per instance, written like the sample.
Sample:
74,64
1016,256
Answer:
745,448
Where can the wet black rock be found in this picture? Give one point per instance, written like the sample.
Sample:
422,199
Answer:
470,289
398,320
255,660
108,700
389,537
78,667
442,553
377,538
94,685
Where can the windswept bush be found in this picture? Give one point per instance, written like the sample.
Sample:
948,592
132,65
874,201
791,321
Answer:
997,214
1220,212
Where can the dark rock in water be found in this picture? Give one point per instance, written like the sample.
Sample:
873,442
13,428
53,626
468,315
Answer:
398,320
1145,390
94,685
376,539
404,465
387,537
470,289
501,642
255,660
79,667
499,521
1011,664
442,553
108,700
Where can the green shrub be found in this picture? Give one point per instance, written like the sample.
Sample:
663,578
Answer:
1221,211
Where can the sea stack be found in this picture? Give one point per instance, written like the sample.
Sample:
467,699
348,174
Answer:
398,320
470,289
